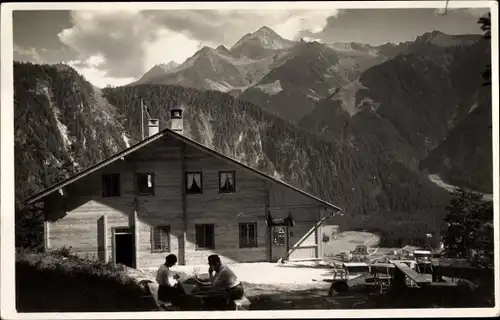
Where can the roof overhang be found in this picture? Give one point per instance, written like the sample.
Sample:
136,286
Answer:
121,155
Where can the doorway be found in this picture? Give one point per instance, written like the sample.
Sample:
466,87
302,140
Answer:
279,242
124,246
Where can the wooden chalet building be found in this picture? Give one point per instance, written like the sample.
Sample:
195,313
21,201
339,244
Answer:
170,194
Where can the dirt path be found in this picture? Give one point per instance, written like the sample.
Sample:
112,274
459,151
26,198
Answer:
436,179
285,297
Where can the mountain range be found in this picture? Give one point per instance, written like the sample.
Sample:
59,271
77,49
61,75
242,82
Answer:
358,125
436,76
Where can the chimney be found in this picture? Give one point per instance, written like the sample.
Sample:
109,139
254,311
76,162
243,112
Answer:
176,123
153,127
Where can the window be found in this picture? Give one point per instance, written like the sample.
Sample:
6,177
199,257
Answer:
110,185
160,239
205,236
194,182
146,184
248,235
278,236
226,182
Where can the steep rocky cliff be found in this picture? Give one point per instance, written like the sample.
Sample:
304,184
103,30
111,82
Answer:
61,125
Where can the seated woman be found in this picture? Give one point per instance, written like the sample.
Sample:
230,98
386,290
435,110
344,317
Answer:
223,287
169,289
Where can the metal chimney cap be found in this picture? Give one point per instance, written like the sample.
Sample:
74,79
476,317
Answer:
153,121
176,113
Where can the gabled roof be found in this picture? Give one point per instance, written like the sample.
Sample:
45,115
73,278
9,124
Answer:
159,135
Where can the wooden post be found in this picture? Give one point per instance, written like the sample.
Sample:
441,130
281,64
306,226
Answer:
102,238
319,239
182,246
267,201
136,238
134,222
142,120
46,236
308,233
105,224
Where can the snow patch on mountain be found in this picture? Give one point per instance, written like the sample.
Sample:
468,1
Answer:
473,107
217,86
126,140
278,176
207,132
313,95
168,67
272,88
347,94
353,48
63,130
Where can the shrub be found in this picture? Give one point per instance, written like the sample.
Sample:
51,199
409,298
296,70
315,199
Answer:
63,252
76,284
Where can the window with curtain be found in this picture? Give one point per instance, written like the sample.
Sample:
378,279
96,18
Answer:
194,183
248,235
226,182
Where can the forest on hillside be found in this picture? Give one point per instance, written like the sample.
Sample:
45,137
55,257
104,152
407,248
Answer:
374,188
418,105
61,126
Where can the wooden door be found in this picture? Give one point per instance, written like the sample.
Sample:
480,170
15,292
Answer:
279,242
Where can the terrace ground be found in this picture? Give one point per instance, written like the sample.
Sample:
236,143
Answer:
281,286
294,285
348,240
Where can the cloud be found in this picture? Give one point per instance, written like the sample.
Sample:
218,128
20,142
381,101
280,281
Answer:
90,69
42,55
312,21
118,37
228,26
169,46
310,39
131,42
476,12
27,55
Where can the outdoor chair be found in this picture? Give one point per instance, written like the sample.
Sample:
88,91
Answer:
342,272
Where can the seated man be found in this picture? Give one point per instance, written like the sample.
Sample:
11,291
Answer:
169,289
224,286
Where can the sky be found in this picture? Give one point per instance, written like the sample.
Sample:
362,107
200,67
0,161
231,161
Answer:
117,47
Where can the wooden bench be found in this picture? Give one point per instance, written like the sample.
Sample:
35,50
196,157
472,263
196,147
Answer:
242,304
161,305
237,305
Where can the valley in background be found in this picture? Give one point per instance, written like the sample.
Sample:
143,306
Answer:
362,127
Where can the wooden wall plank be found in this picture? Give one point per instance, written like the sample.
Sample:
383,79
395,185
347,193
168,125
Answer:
75,218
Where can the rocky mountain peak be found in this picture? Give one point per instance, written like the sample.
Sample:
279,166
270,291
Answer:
263,38
445,40
168,66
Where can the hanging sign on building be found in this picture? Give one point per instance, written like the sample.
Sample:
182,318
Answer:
288,221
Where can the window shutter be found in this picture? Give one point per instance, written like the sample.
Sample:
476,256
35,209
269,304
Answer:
199,236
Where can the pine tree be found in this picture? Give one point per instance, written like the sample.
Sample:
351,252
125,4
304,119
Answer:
468,234
485,23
